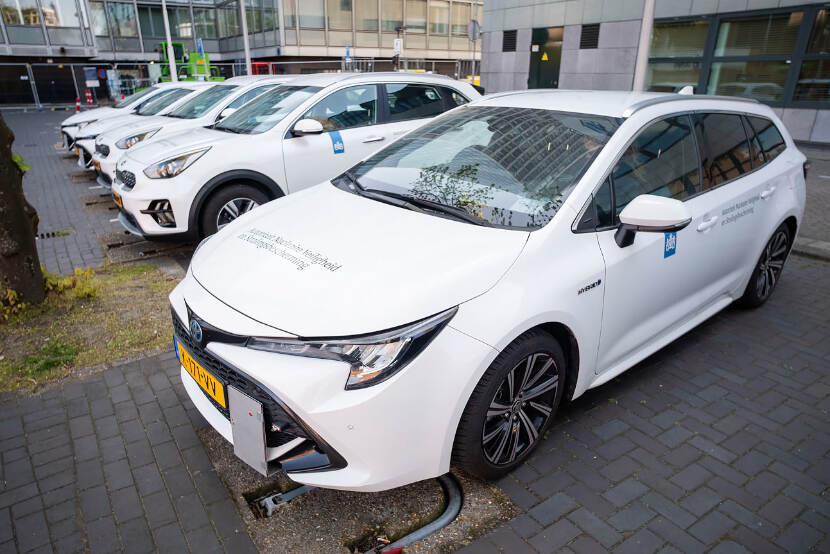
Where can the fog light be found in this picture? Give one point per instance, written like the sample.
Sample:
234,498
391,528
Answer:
161,212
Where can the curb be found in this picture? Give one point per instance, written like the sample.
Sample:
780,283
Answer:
812,248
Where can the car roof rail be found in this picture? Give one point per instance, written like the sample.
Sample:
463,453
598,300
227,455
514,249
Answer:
642,104
396,74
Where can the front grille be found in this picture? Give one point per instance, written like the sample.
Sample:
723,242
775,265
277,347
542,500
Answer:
102,149
272,410
127,178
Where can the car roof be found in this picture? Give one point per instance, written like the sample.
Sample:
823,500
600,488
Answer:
599,102
243,80
327,79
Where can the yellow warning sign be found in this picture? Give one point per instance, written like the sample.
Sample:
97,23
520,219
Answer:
544,56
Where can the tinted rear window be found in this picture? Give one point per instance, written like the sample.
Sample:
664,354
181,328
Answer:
724,149
772,143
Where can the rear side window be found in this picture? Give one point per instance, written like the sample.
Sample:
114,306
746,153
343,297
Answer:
754,146
412,101
248,96
725,151
455,97
350,107
662,160
769,137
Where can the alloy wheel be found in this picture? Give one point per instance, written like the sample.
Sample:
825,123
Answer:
233,209
771,264
522,405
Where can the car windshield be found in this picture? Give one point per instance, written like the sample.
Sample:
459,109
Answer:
504,167
136,96
202,102
162,100
266,110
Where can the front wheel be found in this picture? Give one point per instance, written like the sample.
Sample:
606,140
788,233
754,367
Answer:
227,204
511,407
768,270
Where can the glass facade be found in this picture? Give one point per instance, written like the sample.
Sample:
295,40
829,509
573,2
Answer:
780,56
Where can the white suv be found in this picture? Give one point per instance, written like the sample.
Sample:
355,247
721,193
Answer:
434,304
312,128
205,108
165,101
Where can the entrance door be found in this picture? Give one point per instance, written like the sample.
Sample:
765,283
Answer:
545,54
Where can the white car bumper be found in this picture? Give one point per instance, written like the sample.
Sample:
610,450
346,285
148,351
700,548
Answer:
85,149
105,165
148,194
397,432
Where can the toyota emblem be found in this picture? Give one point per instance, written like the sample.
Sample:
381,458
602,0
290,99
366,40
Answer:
196,330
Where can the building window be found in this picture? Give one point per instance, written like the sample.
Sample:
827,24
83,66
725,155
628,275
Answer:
228,21
813,83
589,38
122,19
99,19
416,16
682,39
311,14
205,20
59,13
20,12
340,15
460,18
366,15
508,41
289,9
439,17
391,12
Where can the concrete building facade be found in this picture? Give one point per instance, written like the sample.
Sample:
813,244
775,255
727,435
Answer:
777,51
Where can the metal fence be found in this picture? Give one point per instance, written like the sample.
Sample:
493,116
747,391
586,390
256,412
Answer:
40,85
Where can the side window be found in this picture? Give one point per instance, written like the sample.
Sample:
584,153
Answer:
455,97
412,101
772,143
662,160
350,107
754,146
724,148
248,96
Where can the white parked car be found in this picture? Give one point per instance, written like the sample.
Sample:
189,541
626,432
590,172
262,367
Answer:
164,102
77,121
202,109
313,128
434,304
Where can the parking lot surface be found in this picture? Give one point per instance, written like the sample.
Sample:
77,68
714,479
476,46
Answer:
718,442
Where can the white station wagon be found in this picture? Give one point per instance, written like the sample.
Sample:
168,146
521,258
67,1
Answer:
435,303
312,128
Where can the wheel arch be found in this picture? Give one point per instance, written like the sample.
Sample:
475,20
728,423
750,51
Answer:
244,176
567,340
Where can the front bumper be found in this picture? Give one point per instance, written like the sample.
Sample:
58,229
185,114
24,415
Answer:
391,434
138,200
105,165
85,149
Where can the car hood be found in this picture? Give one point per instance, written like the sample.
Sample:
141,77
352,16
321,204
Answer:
135,126
108,124
177,143
327,263
90,115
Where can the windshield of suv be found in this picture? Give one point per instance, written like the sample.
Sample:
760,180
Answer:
266,110
202,102
505,167
133,97
163,100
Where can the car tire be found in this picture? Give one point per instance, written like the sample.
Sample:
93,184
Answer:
491,440
217,210
768,268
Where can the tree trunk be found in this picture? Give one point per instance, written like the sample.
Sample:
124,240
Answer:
19,263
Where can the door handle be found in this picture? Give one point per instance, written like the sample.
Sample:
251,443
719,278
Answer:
707,223
767,193
373,139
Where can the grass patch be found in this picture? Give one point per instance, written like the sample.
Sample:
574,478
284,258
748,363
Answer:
87,318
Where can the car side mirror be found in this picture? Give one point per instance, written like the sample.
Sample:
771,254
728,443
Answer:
651,214
225,113
307,127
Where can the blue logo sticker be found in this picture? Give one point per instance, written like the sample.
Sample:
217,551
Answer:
337,142
670,246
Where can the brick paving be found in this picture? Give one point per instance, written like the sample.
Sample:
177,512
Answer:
718,442
112,463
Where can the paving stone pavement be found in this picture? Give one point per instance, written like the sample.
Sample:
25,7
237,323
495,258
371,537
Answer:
719,442
112,463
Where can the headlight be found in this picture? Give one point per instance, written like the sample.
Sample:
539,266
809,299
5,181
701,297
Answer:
129,142
373,358
173,166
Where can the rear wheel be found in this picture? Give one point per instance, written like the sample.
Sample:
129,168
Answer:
768,270
511,407
227,204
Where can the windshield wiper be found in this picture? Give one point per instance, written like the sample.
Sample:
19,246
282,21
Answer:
380,195
452,211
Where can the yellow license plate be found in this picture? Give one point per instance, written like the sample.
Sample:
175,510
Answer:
205,380
77,152
117,199
97,165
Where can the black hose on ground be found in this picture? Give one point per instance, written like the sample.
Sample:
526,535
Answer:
454,498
